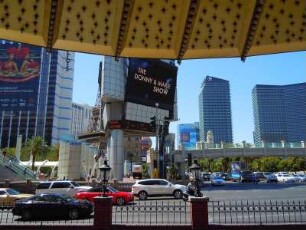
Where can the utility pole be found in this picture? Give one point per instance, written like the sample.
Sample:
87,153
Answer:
161,128
163,132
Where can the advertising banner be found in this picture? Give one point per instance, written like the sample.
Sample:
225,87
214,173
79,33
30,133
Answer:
151,81
237,166
19,76
188,136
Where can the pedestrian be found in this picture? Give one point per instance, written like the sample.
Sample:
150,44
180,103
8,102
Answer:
191,188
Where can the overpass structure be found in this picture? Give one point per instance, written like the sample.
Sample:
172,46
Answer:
180,156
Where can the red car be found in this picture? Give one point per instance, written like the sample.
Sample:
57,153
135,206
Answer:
119,197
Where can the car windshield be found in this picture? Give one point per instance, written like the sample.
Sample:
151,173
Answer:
12,191
246,173
75,184
112,189
64,196
218,178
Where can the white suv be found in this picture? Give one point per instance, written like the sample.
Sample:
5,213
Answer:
157,187
67,187
285,177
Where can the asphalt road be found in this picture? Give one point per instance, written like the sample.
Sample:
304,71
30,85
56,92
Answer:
260,191
177,211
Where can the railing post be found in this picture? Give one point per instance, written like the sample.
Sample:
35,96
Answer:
199,212
103,213
29,186
7,183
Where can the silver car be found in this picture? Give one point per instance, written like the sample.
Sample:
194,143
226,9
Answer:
70,188
157,187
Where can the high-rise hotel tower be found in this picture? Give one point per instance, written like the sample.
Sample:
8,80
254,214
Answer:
279,113
215,110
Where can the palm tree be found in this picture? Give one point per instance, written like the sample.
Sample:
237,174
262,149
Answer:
36,147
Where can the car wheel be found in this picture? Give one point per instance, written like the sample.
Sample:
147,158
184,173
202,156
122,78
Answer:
143,195
26,215
178,194
73,214
120,201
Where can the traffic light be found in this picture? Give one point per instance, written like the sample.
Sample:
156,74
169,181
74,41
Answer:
165,128
153,122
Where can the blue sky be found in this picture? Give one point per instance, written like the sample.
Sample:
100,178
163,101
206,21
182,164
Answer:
276,69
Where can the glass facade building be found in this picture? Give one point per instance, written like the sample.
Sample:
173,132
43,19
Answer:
35,93
215,110
279,113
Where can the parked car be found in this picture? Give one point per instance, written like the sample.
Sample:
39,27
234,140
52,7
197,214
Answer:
286,177
157,187
52,206
260,176
206,176
248,176
217,180
67,187
270,177
225,176
8,196
119,197
234,176
300,178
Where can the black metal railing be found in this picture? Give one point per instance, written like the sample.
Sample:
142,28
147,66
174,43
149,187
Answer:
153,212
257,212
7,218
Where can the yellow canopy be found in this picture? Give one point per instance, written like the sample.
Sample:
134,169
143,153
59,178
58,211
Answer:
170,29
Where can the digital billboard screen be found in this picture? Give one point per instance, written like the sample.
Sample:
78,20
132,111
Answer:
151,81
19,76
188,136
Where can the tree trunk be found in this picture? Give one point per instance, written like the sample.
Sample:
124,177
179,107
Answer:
33,162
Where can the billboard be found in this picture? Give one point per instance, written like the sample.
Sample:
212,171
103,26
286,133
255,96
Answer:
19,76
188,136
151,81
237,166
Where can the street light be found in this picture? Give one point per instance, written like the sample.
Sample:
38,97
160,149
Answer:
156,127
195,169
105,171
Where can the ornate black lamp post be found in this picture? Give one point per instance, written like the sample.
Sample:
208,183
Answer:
105,172
195,169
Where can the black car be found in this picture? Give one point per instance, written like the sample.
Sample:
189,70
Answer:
248,176
206,176
52,206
